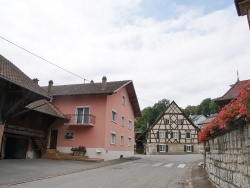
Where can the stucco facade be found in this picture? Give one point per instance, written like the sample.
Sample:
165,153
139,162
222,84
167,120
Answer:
105,137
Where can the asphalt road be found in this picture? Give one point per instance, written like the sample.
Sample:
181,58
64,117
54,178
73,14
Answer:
166,171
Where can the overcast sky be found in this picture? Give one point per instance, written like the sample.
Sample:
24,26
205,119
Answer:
182,50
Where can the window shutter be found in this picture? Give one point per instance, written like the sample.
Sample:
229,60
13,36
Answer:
172,135
166,134
166,148
158,148
192,148
157,134
185,149
179,135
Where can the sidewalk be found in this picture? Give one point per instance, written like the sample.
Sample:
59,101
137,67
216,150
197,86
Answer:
197,177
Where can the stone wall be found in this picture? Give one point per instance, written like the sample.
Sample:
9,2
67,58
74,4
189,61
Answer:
228,161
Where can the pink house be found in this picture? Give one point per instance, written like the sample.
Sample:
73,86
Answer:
100,116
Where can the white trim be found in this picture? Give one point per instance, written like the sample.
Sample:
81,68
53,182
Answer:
163,147
69,131
188,146
129,143
130,127
111,140
123,100
121,140
163,134
123,122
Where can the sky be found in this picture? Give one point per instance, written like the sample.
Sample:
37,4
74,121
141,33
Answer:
178,50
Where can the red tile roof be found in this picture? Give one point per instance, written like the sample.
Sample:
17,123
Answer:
11,73
232,93
46,107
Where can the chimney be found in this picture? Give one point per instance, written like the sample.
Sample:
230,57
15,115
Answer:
104,80
35,80
50,86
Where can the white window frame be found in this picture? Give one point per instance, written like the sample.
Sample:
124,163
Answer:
82,119
175,135
69,135
129,141
188,148
123,100
162,147
123,121
180,121
130,124
122,140
162,134
113,138
169,121
189,134
114,116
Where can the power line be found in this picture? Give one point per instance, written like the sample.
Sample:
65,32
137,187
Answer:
43,59
146,100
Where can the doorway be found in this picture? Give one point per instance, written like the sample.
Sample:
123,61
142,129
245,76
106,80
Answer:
53,139
16,148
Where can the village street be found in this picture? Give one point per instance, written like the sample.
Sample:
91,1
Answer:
147,171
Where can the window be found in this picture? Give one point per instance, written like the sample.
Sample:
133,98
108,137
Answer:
130,124
188,135
180,122
113,138
123,120
168,121
175,135
114,116
123,100
129,141
162,134
188,148
82,115
122,140
162,148
69,135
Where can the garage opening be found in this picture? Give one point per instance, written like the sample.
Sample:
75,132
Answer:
16,148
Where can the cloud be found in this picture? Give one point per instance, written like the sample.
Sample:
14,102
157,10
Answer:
186,57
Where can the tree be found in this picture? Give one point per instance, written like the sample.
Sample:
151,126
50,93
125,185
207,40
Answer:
150,114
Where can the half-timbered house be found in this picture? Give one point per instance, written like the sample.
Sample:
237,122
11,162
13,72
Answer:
172,133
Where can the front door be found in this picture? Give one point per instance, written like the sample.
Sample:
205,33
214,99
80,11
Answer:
53,139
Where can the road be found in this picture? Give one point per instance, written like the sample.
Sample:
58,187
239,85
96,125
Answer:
165,171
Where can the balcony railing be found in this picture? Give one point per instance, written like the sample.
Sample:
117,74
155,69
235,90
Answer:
80,119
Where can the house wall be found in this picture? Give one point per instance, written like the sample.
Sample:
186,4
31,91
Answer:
89,136
97,138
114,102
228,161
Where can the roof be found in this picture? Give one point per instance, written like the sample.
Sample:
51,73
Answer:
46,107
208,120
96,88
11,73
238,4
232,93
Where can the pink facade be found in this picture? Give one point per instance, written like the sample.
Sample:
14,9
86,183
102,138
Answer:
97,135
1,134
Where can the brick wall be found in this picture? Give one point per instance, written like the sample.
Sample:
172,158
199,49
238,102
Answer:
228,161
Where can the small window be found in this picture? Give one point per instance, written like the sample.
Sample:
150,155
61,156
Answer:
162,148
162,134
168,121
130,124
180,122
123,121
113,138
129,141
175,135
188,135
114,116
188,148
123,100
122,140
69,135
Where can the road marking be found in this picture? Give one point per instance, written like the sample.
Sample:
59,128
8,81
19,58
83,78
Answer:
158,164
181,166
169,165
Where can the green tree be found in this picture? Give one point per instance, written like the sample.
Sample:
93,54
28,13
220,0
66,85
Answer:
205,110
150,114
